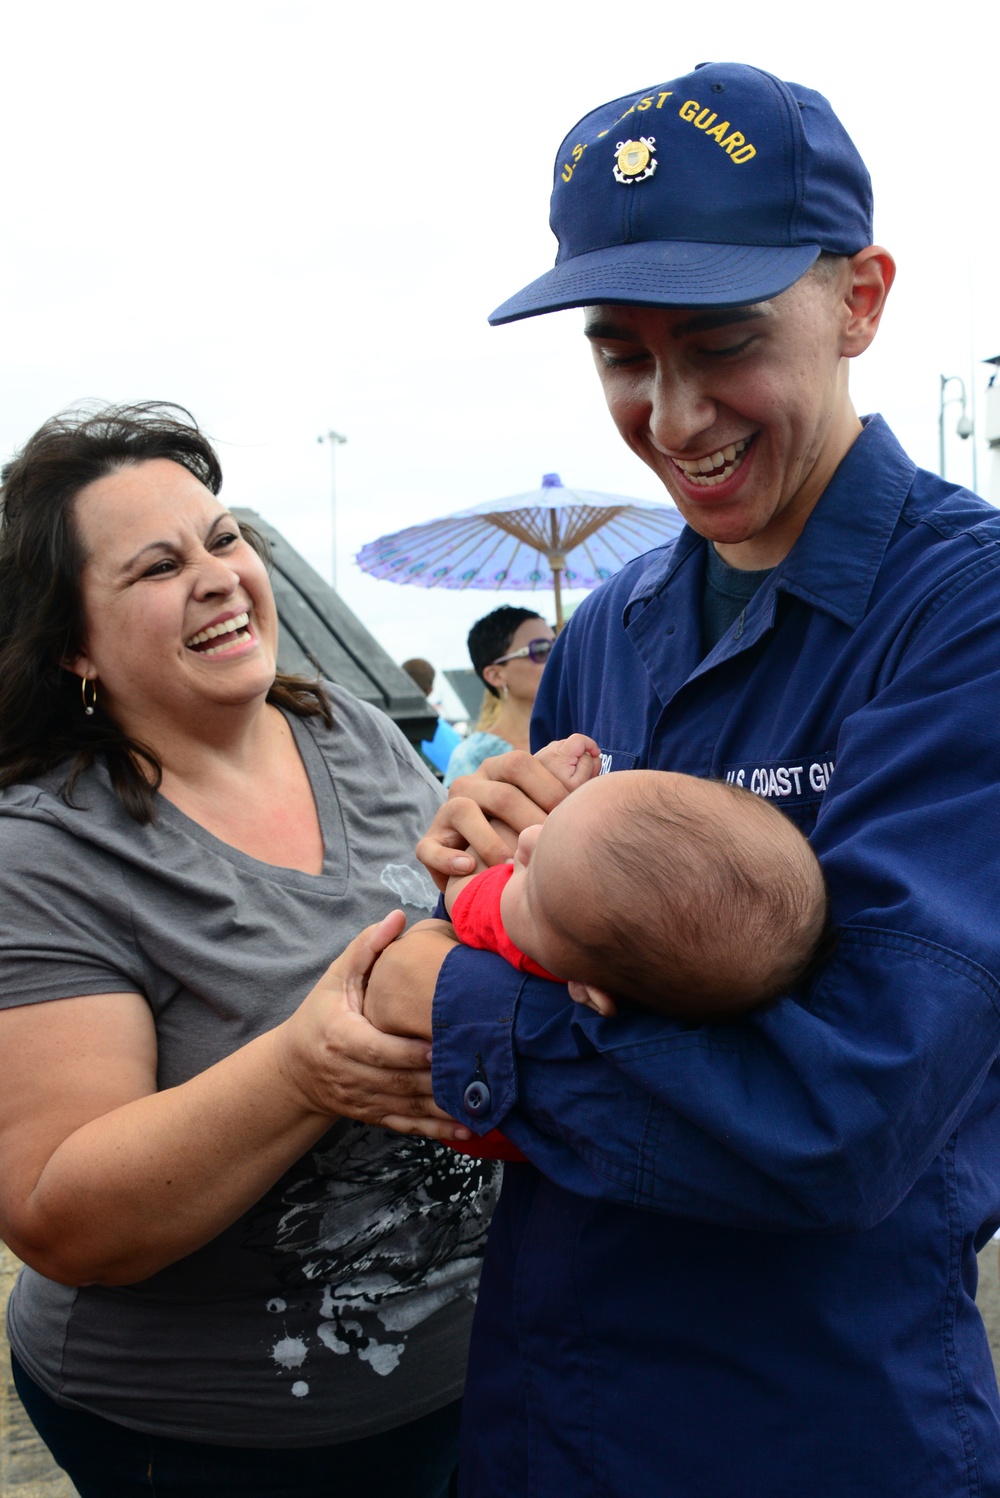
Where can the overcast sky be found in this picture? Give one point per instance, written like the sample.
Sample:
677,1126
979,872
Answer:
295,216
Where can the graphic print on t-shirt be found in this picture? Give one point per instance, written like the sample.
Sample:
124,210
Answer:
411,885
372,1237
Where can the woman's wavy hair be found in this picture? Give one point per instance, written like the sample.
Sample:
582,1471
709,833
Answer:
42,722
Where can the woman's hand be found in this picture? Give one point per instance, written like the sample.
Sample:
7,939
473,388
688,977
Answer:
514,789
338,1063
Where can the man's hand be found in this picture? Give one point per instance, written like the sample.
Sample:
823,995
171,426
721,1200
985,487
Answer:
515,789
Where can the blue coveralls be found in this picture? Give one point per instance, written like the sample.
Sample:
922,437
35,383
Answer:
745,1264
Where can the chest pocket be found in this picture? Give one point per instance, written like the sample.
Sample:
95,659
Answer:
796,786
617,759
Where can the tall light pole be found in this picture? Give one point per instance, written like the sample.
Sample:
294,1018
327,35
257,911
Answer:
335,440
964,425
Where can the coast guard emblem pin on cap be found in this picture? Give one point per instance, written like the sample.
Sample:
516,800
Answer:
737,183
634,159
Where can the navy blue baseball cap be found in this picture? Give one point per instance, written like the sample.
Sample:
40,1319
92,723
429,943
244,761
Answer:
717,189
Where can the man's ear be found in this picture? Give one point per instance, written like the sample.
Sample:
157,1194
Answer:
871,273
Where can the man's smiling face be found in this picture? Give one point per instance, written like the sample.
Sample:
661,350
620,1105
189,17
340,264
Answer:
743,413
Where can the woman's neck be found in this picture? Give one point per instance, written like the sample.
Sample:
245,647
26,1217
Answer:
227,745
253,794
512,722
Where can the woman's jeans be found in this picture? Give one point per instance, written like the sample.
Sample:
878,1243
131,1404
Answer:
105,1460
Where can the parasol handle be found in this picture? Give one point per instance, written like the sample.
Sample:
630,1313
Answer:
557,561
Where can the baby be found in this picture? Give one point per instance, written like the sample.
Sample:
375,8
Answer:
624,888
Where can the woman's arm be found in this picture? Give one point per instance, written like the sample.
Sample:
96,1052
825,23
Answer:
105,1180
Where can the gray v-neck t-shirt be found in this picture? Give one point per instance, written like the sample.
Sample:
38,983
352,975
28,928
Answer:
340,1304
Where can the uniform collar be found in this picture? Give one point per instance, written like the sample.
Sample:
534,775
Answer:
834,563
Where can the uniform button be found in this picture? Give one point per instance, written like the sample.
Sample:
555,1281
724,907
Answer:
477,1098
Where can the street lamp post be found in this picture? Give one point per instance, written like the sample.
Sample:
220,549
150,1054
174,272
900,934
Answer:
963,426
334,440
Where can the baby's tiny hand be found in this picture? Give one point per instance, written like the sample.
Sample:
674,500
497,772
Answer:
573,761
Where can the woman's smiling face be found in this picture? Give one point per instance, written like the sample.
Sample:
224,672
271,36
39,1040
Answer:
178,611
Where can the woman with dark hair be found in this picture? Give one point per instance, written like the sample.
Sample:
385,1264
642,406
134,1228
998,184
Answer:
235,1284
508,649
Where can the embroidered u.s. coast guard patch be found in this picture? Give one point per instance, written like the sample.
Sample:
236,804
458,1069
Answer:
789,782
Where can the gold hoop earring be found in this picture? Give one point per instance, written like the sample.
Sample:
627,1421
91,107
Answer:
88,707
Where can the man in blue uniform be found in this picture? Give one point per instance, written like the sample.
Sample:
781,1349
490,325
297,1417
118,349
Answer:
742,1260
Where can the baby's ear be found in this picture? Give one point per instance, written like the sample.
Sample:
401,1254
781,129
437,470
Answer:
594,998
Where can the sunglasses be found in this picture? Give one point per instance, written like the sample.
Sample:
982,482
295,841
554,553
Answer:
535,650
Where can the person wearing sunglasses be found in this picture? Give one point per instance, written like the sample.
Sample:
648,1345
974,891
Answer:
508,649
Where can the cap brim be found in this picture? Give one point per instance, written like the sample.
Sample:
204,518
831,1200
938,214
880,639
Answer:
661,273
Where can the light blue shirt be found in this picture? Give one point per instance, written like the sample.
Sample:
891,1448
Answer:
472,751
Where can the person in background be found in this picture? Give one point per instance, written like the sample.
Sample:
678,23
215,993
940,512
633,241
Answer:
437,751
508,649
235,1283
422,672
